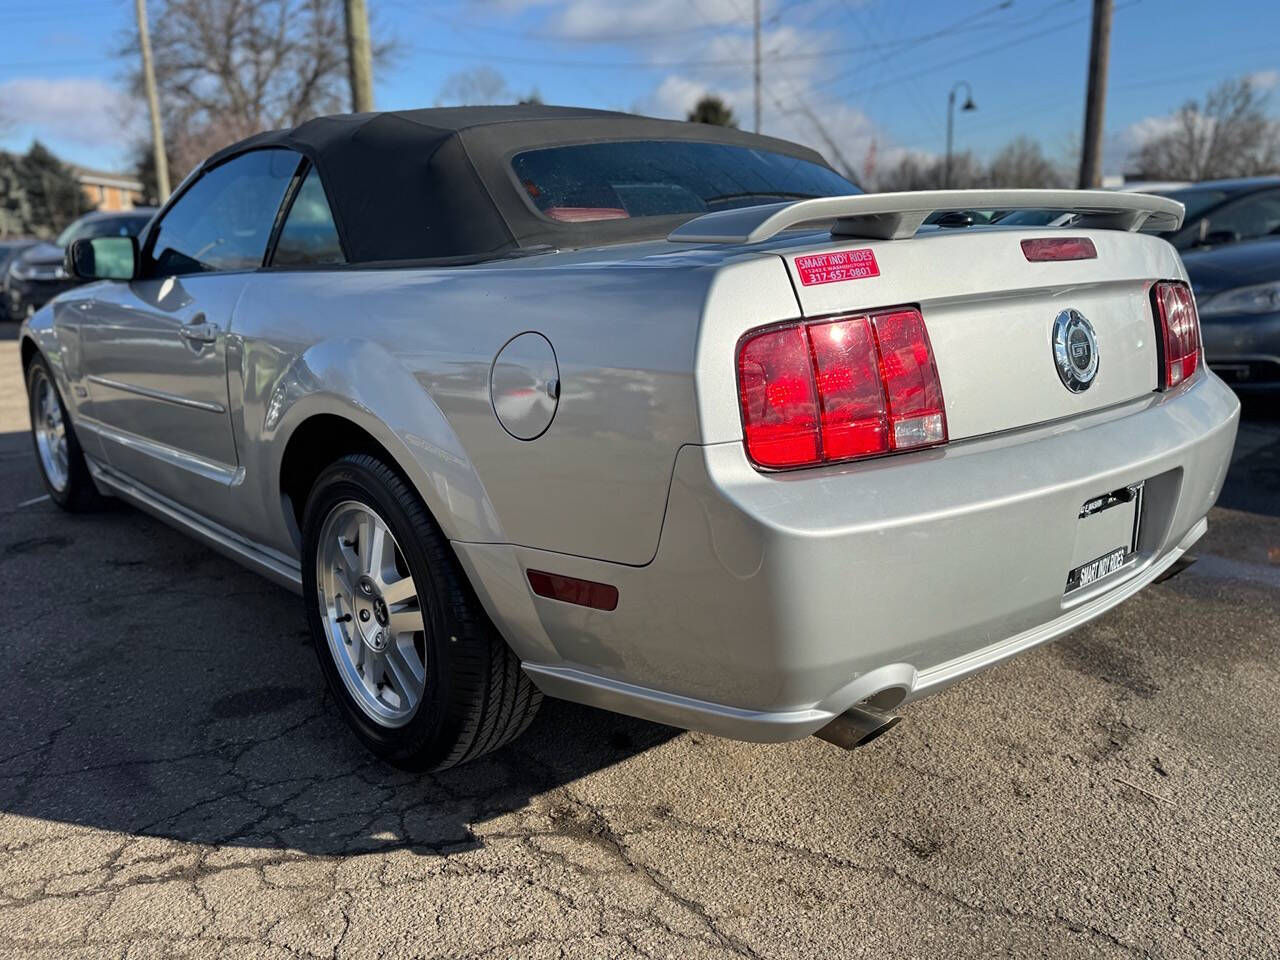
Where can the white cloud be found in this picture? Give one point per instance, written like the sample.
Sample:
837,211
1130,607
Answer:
791,106
1265,79
702,35
1147,129
78,110
588,18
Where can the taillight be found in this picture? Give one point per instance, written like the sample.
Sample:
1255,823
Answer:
775,381
840,389
1179,329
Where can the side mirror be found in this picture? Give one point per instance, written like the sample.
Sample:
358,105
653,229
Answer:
103,258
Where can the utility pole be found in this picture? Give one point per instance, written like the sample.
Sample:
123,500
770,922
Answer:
757,63
153,102
359,57
1095,104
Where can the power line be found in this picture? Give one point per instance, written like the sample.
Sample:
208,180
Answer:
948,64
912,90
704,62
1027,107
597,38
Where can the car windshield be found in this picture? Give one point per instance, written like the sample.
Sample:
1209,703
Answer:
1196,199
652,178
87,228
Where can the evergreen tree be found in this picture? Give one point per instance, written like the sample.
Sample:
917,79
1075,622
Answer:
712,109
15,210
53,193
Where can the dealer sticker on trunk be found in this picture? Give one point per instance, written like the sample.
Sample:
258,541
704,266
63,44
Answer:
834,267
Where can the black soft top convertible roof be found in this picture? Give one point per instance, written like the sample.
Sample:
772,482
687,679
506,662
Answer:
438,183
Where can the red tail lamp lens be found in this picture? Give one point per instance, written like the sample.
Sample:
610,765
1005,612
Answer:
1059,248
779,402
1179,323
840,389
585,593
916,414
854,420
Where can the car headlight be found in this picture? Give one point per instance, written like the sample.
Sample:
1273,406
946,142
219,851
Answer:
37,271
1260,298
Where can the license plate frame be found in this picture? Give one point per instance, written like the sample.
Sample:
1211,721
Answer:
1107,533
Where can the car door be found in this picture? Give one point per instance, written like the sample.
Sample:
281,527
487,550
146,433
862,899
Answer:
155,348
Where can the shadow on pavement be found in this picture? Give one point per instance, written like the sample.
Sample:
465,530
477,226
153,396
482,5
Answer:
152,687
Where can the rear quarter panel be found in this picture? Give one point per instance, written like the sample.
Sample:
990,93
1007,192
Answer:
407,353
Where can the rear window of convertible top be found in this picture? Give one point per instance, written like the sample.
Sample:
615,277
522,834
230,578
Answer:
652,178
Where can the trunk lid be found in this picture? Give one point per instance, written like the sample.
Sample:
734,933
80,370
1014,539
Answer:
990,314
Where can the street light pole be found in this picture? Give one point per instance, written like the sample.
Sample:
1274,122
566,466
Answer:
969,105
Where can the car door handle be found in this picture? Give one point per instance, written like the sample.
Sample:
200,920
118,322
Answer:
199,330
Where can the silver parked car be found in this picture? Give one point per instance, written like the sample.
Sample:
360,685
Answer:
660,417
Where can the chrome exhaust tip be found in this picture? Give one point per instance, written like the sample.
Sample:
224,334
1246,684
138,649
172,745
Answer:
857,727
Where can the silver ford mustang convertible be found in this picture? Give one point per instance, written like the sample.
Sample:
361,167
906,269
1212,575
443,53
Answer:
661,417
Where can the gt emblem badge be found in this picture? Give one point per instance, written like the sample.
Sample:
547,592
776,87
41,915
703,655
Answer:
1075,350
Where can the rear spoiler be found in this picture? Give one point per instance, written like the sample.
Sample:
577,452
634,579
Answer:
897,216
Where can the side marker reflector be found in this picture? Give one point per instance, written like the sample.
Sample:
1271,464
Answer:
584,593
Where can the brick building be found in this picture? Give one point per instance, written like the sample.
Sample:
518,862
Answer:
109,191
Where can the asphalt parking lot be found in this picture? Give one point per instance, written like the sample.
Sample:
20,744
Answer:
174,783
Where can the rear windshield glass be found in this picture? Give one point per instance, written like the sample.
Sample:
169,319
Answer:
652,178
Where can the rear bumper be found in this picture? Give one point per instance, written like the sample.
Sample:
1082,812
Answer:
776,602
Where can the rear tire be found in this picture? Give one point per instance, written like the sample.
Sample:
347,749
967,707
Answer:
58,454
417,668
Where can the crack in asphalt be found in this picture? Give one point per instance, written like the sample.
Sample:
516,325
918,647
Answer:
238,816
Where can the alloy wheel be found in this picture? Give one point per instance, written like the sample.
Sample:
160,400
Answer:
50,430
372,613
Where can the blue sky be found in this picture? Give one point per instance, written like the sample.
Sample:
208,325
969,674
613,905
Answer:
873,71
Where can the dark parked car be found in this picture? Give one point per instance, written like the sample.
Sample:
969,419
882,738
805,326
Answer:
10,247
36,276
1221,212
1238,291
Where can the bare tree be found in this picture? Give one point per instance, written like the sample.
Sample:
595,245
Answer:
480,86
712,109
1230,134
231,68
473,87
1020,164
920,172
1023,164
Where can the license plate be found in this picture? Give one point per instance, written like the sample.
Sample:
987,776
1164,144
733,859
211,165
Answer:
1106,536
1084,575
